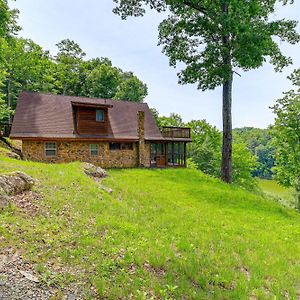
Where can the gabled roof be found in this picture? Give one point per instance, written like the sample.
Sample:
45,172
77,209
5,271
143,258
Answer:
51,116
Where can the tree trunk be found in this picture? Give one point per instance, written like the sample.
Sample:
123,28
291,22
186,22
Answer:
9,97
226,167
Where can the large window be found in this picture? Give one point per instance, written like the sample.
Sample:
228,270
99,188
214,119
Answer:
94,149
99,115
121,146
176,154
50,149
157,154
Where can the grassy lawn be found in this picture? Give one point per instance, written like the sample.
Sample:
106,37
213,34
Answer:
272,188
161,234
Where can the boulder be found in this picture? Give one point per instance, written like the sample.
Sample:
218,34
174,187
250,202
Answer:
13,155
4,202
14,183
94,171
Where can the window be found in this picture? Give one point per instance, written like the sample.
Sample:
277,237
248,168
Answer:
99,115
121,146
50,149
114,146
127,146
94,149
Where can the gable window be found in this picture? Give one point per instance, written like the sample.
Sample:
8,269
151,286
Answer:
99,115
50,149
94,149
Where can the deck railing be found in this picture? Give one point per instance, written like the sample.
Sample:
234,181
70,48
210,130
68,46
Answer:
176,132
5,129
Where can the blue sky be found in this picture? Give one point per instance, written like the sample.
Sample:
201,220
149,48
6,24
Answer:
132,46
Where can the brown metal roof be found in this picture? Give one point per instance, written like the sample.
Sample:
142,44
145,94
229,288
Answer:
51,116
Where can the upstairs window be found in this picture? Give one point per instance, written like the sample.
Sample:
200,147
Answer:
50,149
94,149
99,115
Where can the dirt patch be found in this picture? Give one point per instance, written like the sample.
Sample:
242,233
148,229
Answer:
154,270
19,280
27,202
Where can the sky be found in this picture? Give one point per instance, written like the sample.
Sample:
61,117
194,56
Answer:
132,46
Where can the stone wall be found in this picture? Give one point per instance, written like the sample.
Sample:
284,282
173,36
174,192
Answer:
80,151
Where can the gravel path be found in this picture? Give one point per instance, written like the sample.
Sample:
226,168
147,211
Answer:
18,281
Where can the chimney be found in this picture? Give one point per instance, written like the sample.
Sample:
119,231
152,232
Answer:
141,135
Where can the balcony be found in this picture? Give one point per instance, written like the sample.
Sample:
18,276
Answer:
176,132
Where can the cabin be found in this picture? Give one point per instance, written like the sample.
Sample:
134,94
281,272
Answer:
105,132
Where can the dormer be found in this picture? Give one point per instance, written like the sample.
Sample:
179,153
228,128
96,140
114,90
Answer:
91,118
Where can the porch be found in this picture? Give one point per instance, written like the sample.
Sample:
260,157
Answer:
168,154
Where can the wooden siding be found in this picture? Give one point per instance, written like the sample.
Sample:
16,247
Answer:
87,124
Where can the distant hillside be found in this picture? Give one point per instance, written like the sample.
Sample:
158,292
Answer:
161,234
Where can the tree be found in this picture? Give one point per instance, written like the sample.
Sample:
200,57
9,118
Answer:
259,142
286,133
68,61
103,81
131,88
173,120
205,148
243,164
8,28
212,39
27,67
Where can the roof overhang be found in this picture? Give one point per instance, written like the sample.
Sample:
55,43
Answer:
86,104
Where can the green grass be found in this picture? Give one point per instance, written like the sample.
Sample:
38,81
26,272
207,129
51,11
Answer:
273,189
165,234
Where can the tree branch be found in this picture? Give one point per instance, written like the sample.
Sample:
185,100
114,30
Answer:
191,4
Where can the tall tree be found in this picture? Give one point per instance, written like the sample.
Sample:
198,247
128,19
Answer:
8,28
69,58
212,39
131,88
286,132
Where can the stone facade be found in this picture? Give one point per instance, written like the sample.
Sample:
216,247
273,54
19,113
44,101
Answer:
80,151
141,135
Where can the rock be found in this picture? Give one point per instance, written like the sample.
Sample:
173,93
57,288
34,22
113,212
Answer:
14,183
13,155
4,201
29,276
107,190
71,297
94,171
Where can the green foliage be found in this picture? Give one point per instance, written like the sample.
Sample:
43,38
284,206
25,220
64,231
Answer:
103,81
201,240
205,148
286,133
4,111
243,163
174,120
259,142
201,34
131,88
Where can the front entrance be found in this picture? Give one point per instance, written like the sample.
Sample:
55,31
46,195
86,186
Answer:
171,154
